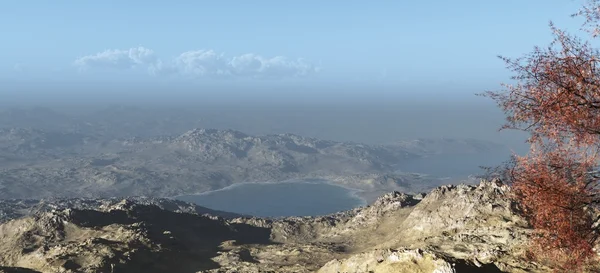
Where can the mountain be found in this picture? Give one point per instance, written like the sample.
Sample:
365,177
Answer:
450,229
40,164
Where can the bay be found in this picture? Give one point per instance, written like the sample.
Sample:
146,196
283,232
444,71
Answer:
309,197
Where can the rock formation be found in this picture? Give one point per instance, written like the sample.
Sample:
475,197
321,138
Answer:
450,229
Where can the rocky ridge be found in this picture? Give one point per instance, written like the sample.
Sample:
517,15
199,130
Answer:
450,229
40,164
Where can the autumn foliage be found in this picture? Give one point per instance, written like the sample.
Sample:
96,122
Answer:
556,98
555,191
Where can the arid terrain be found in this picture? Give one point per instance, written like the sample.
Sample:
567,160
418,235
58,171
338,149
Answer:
75,197
298,136
450,229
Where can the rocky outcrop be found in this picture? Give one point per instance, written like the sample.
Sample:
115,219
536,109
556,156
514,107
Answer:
468,226
451,229
383,261
477,224
15,208
125,237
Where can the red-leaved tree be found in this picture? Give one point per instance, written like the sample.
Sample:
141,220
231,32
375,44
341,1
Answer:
556,97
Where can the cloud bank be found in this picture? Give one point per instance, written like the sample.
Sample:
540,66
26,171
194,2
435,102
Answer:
116,58
199,64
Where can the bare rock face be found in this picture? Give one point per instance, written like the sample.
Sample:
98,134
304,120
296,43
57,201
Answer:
471,227
467,222
451,229
384,261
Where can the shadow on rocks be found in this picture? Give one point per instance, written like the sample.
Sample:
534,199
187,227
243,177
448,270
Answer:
4,269
464,267
180,242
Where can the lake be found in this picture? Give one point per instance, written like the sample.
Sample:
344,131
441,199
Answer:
292,198
314,197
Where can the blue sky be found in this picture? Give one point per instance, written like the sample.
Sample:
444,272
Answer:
398,43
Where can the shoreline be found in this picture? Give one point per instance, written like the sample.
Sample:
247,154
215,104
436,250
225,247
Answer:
351,192
363,197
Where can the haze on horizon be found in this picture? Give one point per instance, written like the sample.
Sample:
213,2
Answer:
353,70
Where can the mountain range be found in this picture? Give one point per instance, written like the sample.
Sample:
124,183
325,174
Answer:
37,163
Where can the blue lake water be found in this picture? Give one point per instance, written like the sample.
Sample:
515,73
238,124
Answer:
294,198
316,197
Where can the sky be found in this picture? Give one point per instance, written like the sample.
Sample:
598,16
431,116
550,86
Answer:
398,44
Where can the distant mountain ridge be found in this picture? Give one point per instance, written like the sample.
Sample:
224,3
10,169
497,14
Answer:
38,163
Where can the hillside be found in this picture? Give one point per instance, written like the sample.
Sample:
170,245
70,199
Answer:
451,229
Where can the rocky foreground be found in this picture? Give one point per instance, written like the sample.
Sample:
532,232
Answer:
451,229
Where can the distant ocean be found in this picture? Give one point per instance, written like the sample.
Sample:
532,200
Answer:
450,167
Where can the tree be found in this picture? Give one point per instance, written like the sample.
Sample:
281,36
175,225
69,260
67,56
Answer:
556,98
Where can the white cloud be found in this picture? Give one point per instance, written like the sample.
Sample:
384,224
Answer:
116,58
201,64
251,64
